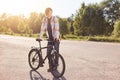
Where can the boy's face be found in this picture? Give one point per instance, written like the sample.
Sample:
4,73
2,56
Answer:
49,14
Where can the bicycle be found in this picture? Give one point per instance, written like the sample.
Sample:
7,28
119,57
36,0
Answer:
36,59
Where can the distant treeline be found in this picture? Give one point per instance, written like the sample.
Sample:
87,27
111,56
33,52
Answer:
89,20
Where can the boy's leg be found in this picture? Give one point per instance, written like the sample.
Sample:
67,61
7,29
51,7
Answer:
49,52
56,45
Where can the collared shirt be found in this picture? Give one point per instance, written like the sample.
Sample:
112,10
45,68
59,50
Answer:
54,25
49,29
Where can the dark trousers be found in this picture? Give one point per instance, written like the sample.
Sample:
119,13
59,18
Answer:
55,44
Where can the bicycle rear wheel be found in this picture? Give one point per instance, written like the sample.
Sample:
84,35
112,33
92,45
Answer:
34,59
59,67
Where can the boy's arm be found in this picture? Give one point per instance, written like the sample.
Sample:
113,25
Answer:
57,33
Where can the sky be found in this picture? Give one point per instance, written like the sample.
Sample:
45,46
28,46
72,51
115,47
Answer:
62,8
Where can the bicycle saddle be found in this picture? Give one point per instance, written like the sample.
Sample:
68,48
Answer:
38,39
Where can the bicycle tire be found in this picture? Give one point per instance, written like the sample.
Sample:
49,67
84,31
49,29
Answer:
29,58
63,70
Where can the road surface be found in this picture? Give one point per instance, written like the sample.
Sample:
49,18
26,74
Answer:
84,60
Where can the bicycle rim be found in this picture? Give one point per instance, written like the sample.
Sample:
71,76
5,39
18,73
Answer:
59,68
34,59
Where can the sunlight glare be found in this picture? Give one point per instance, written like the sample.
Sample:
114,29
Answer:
25,7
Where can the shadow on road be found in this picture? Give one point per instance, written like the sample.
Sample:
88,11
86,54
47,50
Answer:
35,75
62,78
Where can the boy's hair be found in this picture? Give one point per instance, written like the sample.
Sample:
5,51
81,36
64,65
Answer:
47,10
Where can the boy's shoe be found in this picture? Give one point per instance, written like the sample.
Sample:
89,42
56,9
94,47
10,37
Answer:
41,65
49,70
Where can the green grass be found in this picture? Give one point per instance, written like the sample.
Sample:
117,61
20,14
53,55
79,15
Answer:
24,35
74,37
94,38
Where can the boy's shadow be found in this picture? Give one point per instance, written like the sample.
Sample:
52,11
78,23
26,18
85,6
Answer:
35,75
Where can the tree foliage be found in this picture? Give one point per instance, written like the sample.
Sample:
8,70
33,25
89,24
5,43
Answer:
111,10
63,26
89,20
116,31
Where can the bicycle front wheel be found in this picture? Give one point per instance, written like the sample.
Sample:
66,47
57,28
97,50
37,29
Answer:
59,68
33,59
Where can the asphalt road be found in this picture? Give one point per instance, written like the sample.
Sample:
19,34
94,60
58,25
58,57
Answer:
84,60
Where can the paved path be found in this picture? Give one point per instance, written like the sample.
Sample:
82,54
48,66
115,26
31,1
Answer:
84,60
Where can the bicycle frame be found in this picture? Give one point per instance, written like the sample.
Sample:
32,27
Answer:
40,51
36,52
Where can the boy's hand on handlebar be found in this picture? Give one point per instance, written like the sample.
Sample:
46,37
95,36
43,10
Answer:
57,39
39,39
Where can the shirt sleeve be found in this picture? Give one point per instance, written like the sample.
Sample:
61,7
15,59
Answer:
57,33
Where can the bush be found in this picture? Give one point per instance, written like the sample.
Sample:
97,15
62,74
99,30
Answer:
71,37
104,39
3,29
83,37
116,31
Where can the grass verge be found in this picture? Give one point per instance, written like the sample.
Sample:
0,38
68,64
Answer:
74,37
104,39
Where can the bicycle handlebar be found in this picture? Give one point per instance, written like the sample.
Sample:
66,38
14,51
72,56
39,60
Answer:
38,39
46,40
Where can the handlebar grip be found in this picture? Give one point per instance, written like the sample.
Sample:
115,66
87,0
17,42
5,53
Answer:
38,39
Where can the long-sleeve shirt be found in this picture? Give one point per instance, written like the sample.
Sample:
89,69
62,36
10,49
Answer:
54,25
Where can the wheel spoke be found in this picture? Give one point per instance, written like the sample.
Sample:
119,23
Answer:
34,59
59,67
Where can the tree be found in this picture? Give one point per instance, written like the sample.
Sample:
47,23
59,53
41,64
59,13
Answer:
9,31
28,30
72,28
78,20
111,12
116,31
70,21
3,29
35,21
3,16
89,20
21,27
63,26
12,23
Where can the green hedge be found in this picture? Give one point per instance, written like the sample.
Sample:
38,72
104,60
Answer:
71,37
74,37
104,39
